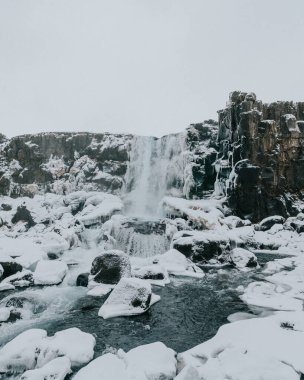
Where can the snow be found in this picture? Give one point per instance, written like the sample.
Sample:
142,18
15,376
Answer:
105,367
152,361
201,213
258,348
100,290
56,369
78,346
243,259
50,272
148,362
5,313
33,349
131,296
155,274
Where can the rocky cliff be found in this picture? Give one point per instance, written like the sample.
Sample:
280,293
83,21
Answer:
113,163
261,155
254,155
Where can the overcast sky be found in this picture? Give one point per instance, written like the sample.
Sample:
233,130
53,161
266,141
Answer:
142,66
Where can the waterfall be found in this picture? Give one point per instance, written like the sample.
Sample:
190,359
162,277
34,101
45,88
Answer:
156,168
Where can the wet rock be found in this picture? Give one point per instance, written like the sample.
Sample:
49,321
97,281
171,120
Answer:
110,267
83,279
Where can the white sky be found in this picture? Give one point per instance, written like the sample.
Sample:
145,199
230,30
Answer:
142,66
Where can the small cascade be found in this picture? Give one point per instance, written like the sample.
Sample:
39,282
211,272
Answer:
141,237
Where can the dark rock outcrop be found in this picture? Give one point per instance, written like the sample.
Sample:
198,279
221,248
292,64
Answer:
262,148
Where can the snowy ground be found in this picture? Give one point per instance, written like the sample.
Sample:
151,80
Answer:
50,240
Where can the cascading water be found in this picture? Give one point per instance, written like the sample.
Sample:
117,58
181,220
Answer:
156,168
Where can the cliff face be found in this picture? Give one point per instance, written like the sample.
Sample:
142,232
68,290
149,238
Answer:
113,163
254,155
261,155
63,162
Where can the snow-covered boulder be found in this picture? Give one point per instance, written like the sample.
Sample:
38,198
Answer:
131,296
202,246
77,345
50,272
33,349
1,272
267,223
20,354
147,362
105,367
152,361
99,208
155,274
242,258
268,348
110,267
178,265
56,369
20,279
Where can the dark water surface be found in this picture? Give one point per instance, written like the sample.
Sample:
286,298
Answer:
190,312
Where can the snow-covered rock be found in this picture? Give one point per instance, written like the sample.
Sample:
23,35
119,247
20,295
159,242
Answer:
50,272
99,208
155,274
105,367
148,362
266,348
242,258
152,361
178,265
267,223
20,279
131,296
33,349
56,369
202,246
110,267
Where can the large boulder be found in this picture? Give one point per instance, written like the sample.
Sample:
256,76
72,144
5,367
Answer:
202,246
110,267
131,296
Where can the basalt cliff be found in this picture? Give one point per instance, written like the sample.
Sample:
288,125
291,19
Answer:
253,155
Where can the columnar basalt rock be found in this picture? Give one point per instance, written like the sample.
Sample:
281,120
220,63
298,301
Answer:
262,145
